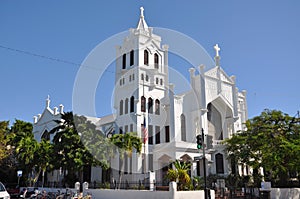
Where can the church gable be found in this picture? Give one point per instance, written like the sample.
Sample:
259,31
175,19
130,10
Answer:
219,73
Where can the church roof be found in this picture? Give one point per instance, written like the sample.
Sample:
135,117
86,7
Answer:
142,25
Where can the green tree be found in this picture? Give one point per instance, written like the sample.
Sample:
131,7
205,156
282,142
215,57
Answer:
22,139
180,174
271,141
43,156
125,144
7,155
72,135
3,137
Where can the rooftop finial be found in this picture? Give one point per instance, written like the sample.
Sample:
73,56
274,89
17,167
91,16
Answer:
217,48
142,11
48,101
217,57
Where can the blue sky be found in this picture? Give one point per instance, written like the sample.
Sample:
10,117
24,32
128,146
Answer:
259,43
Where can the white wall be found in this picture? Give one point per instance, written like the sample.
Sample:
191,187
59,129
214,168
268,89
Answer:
290,193
127,194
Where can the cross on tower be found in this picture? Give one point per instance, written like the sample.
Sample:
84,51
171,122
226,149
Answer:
142,11
216,47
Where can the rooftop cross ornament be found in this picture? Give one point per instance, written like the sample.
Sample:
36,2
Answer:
142,11
216,47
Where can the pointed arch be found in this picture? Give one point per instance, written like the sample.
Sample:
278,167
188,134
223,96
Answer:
124,61
46,135
157,107
131,57
156,61
146,57
219,163
121,107
143,104
183,127
131,104
150,105
126,105
214,122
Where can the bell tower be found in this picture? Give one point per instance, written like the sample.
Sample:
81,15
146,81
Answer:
141,85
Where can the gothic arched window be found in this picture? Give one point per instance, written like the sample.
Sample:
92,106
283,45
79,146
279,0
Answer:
46,135
157,107
126,106
146,57
124,61
219,163
142,76
132,104
150,105
143,104
183,127
156,60
131,57
121,107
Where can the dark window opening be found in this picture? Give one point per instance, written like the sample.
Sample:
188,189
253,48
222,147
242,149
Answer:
183,127
132,104
157,135
143,104
146,57
156,60
124,61
167,133
157,107
121,107
131,58
126,106
219,163
150,105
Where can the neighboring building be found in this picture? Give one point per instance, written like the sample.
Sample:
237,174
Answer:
144,97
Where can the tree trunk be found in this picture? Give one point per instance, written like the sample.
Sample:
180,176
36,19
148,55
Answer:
121,174
37,176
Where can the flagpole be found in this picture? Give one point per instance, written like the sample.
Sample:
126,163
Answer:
144,127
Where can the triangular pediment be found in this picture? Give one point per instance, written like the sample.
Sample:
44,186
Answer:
213,73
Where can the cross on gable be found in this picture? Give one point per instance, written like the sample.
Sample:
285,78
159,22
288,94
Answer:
216,47
142,11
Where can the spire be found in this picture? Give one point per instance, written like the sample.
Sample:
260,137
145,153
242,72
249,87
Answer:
217,57
142,25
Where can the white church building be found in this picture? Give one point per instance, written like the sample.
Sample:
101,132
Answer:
144,98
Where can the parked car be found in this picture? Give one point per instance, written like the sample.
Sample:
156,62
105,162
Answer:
13,190
3,193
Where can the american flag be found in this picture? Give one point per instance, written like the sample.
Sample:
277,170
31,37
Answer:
145,131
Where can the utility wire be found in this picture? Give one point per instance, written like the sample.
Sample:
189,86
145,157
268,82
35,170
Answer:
50,58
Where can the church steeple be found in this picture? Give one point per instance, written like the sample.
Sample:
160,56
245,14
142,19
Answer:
142,25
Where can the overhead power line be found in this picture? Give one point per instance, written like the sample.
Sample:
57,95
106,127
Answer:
50,58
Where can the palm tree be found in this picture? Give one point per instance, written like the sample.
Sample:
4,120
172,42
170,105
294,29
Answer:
44,157
180,174
125,144
26,153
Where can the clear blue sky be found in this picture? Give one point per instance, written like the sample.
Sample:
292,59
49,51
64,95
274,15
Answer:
259,40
